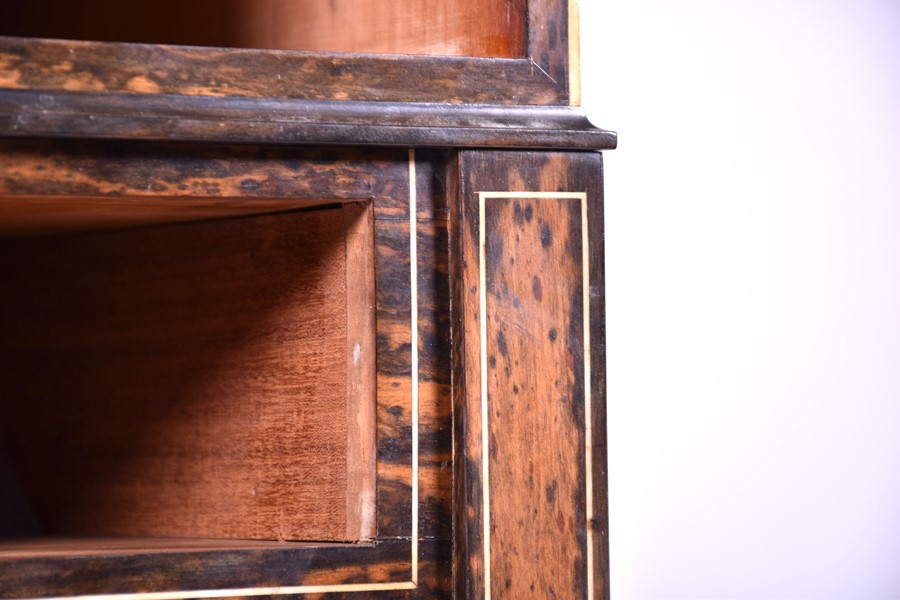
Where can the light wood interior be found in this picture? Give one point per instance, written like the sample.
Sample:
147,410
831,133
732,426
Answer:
491,28
188,379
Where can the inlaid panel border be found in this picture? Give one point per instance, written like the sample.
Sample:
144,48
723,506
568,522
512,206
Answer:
483,198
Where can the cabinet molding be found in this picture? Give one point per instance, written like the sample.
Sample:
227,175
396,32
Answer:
60,114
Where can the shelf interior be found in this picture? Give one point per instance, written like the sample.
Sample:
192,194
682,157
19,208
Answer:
489,28
189,377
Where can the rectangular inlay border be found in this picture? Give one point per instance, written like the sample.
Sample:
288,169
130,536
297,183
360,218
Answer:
483,197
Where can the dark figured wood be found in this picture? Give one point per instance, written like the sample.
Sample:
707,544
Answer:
184,174
232,572
522,288
153,69
199,175
494,28
33,113
548,39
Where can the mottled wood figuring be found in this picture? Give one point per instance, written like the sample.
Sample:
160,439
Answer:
53,65
130,172
529,395
493,28
490,28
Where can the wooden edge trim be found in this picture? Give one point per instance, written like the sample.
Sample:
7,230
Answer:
30,113
151,69
458,342
361,412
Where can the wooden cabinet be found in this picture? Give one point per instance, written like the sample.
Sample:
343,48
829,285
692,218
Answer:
286,315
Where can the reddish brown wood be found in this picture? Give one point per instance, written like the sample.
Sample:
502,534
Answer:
526,287
534,319
493,28
359,264
146,393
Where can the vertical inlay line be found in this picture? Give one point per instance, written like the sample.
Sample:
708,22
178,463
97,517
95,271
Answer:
485,475
414,349
588,433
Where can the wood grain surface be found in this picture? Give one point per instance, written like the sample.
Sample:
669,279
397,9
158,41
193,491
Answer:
123,69
530,462
535,354
548,38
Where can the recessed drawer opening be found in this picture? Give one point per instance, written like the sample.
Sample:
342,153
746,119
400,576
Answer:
191,377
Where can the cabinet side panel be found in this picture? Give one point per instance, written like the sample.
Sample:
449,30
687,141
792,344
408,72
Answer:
529,347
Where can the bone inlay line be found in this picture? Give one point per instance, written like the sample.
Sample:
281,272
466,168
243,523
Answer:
483,197
414,359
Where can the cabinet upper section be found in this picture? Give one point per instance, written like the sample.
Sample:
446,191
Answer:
346,72
458,51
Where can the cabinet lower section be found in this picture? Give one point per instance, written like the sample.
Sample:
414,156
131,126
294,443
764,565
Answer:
306,372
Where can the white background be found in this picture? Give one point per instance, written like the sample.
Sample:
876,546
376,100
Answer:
753,285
